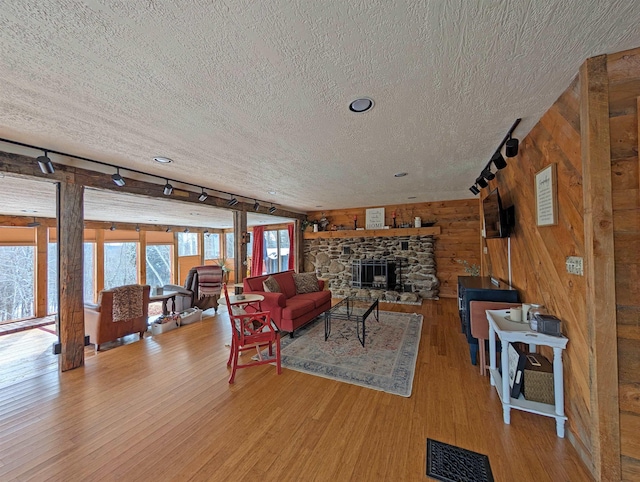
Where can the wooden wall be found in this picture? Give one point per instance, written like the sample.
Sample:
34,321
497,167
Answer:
624,98
460,224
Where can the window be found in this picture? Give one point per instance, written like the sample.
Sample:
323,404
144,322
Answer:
159,265
211,246
89,273
228,245
276,250
17,278
120,264
52,278
187,244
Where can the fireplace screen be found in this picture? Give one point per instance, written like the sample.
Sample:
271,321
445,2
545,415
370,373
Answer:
373,273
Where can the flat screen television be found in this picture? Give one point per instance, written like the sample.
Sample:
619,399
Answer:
497,220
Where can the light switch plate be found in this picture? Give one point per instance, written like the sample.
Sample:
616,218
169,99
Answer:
574,265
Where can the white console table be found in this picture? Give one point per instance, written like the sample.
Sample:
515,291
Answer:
509,331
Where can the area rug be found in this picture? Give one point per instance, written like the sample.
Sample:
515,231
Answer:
454,464
387,361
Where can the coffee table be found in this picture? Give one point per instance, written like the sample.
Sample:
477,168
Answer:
343,310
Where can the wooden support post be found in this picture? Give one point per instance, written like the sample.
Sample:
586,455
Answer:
142,257
99,284
70,271
298,246
42,262
240,245
599,268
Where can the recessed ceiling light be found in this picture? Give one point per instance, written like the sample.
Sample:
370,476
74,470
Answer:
162,160
411,197
29,211
400,174
319,206
273,193
361,105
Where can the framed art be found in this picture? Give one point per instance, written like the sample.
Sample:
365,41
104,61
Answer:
546,196
374,218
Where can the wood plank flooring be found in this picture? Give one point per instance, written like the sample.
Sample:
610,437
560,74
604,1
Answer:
161,409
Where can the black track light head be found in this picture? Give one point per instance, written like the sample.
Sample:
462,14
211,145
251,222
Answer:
33,224
482,182
232,202
168,230
256,206
117,179
499,161
168,189
46,166
137,228
487,174
474,190
113,227
511,147
203,196
272,209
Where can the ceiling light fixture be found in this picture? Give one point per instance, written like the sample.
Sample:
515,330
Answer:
33,224
256,205
168,189
400,174
46,166
186,230
168,230
113,227
361,105
233,201
206,231
511,150
117,179
137,228
162,160
272,209
203,196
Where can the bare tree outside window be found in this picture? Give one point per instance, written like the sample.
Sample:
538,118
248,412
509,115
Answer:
158,265
187,244
211,246
120,264
17,278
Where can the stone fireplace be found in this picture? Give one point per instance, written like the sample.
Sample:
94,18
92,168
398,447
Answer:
394,268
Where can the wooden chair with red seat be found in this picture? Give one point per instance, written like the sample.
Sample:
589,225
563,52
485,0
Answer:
251,331
480,325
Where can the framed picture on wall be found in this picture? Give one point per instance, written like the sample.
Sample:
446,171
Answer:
546,196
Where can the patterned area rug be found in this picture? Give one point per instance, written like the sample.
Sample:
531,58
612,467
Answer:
387,362
454,464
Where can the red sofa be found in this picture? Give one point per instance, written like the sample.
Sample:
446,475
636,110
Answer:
289,310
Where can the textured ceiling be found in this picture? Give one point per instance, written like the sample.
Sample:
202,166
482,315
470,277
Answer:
250,97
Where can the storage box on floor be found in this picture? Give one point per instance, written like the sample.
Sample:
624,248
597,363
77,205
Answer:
190,316
171,322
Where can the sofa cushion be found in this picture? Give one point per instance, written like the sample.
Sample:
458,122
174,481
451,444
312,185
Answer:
287,285
306,282
271,285
297,307
319,298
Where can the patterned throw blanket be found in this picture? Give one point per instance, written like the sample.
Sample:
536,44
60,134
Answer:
127,302
209,280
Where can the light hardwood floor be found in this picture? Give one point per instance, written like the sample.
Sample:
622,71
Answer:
161,409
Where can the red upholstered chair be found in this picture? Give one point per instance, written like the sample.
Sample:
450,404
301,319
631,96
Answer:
251,331
480,325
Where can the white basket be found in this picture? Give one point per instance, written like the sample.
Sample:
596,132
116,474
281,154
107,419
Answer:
190,316
158,328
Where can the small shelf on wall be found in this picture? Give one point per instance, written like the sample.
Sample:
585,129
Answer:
375,233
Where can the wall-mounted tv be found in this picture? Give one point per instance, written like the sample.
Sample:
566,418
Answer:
497,221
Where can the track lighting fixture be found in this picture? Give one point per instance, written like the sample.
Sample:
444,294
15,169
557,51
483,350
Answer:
511,147
203,197
186,230
168,189
206,231
232,202
482,182
33,224
168,230
137,228
498,160
272,209
474,189
256,205
487,174
46,166
118,180
113,227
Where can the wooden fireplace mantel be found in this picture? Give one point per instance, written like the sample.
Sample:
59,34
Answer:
375,233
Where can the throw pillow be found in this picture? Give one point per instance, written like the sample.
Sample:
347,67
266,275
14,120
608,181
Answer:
270,285
306,282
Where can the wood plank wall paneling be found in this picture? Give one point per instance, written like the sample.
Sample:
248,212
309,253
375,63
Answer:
599,267
460,224
538,253
624,104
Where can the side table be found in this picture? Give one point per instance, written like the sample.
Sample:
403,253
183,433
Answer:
509,331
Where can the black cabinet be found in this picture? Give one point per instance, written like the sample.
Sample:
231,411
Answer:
480,288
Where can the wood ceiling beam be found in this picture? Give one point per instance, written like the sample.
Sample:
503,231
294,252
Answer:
27,167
